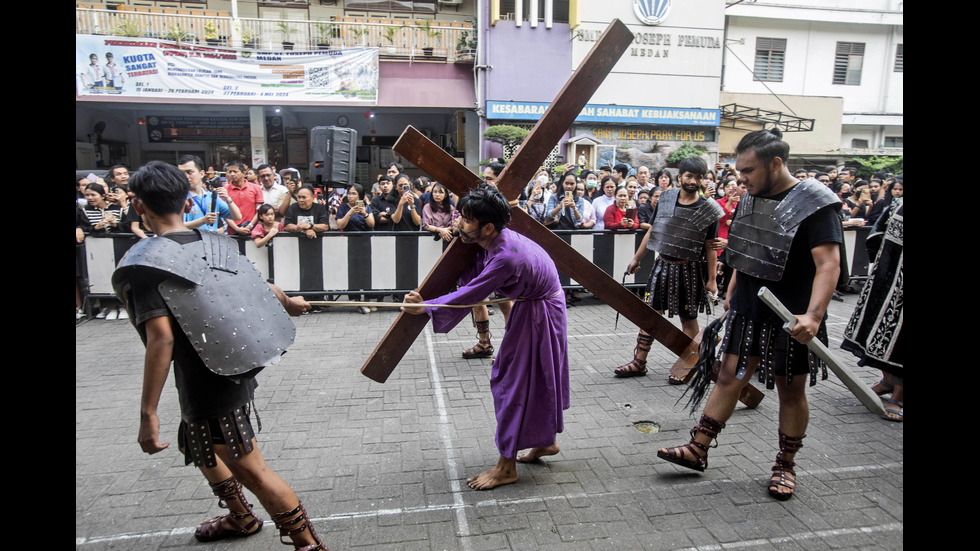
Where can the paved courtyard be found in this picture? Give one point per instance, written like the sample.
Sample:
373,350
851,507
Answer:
383,466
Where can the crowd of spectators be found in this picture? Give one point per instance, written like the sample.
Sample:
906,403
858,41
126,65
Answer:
261,202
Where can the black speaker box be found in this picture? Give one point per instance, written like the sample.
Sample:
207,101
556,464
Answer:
333,152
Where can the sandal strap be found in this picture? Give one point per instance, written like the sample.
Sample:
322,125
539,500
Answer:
643,342
790,444
694,443
708,427
291,523
784,465
701,460
230,490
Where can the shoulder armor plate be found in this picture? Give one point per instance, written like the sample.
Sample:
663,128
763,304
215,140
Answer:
763,229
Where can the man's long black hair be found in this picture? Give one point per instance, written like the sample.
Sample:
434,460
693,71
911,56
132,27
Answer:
486,205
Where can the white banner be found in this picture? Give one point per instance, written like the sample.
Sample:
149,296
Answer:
151,68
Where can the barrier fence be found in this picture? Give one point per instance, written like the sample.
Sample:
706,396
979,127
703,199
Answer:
388,263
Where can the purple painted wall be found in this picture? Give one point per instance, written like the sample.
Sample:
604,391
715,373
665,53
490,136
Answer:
528,64
442,85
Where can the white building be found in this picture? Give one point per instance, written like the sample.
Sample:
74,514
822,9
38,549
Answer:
800,57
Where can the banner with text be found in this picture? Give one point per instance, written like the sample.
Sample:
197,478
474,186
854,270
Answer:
677,116
151,68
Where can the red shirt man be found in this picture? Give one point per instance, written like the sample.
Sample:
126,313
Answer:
246,195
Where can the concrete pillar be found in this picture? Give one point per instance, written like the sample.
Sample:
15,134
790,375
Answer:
256,116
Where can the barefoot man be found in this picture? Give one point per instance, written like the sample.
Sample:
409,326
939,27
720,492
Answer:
529,379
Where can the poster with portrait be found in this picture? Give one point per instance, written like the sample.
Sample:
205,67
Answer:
160,69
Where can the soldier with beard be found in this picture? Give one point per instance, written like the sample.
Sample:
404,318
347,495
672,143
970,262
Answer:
683,231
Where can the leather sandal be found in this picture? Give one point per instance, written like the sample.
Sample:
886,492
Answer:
233,524
295,522
783,475
215,528
707,426
483,348
636,367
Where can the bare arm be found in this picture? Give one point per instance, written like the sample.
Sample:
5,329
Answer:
235,228
286,201
342,221
261,241
135,229
826,257
233,212
712,257
156,368
294,305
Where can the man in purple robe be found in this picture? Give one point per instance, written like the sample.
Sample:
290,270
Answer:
529,380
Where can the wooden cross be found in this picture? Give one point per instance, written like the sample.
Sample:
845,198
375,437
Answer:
441,167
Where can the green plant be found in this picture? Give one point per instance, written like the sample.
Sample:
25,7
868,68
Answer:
685,151
390,33
426,27
176,34
210,31
464,43
324,32
877,163
129,27
506,135
286,31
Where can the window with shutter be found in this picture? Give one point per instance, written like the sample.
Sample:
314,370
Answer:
848,62
770,57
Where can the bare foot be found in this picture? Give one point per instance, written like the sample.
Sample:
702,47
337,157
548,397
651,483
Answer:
536,453
491,478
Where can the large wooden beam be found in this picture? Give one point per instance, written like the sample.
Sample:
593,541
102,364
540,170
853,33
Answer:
568,104
440,166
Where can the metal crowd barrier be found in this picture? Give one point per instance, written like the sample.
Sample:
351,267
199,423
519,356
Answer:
389,263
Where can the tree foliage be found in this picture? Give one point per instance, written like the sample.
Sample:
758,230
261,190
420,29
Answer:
868,166
685,151
506,135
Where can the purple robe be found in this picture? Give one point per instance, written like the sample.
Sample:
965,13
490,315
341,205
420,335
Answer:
529,380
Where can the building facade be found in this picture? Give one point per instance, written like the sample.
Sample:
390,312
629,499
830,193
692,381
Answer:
662,94
248,79
834,62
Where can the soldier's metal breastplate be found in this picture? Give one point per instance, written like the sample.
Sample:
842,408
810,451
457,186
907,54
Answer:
763,229
220,301
679,232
